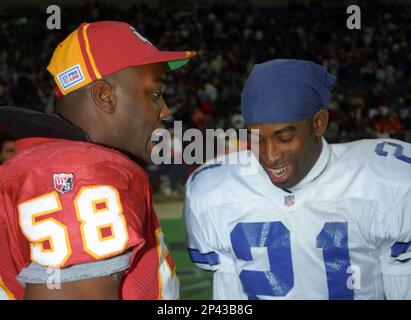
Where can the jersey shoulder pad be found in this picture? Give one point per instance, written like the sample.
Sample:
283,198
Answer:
64,155
98,197
386,159
378,169
219,172
221,181
390,160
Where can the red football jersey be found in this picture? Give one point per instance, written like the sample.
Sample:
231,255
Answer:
64,202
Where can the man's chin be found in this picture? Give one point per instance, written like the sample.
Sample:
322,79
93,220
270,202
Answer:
286,184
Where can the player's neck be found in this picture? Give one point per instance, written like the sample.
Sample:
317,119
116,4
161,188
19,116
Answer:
318,168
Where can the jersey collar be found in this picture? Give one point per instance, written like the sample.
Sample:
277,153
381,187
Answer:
22,123
25,143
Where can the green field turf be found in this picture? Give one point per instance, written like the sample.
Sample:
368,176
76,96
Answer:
195,284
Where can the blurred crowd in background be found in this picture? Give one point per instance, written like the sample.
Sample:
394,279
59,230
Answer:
371,99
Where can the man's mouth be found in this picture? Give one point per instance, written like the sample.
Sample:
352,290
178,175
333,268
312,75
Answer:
280,175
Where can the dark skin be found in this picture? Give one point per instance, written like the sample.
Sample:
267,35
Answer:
102,288
288,151
127,106
8,150
120,111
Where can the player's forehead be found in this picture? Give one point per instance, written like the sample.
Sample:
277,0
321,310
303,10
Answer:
278,127
150,73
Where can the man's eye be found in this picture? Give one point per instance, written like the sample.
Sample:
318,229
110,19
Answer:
157,95
286,139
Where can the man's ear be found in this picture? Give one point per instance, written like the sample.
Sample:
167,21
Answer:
320,122
103,95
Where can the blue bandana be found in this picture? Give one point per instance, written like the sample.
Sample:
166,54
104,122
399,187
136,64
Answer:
285,90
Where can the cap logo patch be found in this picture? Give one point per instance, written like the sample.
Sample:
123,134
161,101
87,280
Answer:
71,77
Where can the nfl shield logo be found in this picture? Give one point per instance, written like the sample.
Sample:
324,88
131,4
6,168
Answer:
289,200
63,182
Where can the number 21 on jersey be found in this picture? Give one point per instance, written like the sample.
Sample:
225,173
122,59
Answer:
273,239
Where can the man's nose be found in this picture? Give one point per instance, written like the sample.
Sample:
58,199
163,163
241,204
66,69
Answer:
164,111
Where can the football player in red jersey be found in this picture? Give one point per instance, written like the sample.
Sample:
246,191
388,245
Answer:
76,217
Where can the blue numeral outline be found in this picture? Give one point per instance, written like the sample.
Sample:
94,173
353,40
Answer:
279,280
333,240
276,238
398,153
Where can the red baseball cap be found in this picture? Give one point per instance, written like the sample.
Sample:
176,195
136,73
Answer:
97,49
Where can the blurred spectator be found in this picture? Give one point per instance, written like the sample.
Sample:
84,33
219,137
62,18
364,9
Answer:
372,97
372,65
7,148
166,177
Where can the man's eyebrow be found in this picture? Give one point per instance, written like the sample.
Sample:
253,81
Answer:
161,78
254,132
285,129
276,132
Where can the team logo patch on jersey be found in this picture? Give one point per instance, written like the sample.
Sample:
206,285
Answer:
63,182
71,77
289,200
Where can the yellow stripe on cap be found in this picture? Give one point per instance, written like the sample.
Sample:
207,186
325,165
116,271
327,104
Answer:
89,54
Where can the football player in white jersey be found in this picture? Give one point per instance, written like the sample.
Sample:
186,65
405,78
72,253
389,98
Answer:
316,220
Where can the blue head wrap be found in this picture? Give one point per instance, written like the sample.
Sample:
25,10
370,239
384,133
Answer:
285,90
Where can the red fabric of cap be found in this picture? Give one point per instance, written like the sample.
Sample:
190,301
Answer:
116,45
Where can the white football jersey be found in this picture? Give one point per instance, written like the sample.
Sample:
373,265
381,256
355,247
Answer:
343,233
